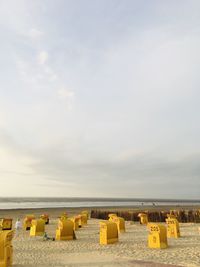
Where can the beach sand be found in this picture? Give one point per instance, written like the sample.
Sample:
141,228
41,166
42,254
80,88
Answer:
131,250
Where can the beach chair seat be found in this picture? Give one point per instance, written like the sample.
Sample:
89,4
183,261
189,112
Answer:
157,237
143,218
108,233
5,224
6,249
37,227
82,220
45,217
27,221
65,230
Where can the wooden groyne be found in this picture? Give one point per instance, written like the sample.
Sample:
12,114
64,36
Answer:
185,216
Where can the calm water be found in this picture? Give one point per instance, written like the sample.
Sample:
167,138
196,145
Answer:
24,203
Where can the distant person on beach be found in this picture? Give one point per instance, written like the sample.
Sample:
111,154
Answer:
18,226
46,237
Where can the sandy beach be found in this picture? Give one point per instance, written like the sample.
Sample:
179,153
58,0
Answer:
131,250
99,112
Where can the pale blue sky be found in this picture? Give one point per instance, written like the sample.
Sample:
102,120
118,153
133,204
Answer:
100,98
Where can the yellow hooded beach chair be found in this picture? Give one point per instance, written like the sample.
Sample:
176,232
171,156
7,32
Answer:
65,230
157,237
5,224
45,217
143,218
173,230
6,250
37,227
108,233
27,221
120,223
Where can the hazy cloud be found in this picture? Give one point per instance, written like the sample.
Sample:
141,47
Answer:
65,94
42,57
35,33
154,176
101,100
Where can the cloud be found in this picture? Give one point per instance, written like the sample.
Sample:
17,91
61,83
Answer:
51,74
42,57
35,34
15,158
139,176
134,86
65,93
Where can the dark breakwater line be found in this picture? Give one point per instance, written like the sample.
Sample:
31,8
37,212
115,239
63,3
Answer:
184,216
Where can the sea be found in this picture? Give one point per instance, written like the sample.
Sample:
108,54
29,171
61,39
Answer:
29,203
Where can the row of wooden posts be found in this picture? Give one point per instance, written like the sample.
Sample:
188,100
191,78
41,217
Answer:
153,216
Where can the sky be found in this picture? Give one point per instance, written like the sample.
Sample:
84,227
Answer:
100,98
